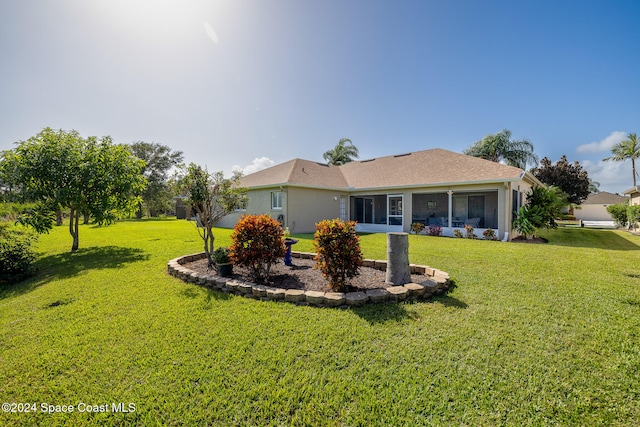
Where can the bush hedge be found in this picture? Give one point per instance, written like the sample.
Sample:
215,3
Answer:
17,258
338,251
257,244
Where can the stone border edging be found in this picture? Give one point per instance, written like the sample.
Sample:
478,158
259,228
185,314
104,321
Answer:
438,282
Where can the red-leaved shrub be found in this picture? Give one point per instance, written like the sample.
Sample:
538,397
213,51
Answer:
257,244
338,251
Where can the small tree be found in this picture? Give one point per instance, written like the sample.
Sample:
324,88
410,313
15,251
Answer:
569,177
59,169
213,197
338,251
159,160
619,213
257,244
633,215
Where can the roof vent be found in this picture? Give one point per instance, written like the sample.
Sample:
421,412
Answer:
367,161
402,155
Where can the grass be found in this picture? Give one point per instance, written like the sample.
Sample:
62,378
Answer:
532,335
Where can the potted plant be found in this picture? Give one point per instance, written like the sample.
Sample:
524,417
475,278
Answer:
223,262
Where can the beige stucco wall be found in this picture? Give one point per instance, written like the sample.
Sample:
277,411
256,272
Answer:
259,202
593,213
302,208
308,206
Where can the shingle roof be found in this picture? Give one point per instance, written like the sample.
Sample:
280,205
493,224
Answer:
604,198
297,171
427,167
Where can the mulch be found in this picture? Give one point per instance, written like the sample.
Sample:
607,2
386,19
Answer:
303,276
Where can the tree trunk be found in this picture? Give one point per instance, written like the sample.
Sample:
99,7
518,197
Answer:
85,219
74,220
208,246
398,271
58,217
139,212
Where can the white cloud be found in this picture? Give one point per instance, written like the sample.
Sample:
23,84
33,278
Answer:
603,145
258,164
614,177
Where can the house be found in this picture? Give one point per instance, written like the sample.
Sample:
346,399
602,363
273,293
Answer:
634,195
434,187
634,199
594,208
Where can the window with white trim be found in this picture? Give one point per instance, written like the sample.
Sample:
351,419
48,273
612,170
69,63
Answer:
276,200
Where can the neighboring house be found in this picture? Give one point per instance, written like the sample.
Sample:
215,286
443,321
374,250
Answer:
594,208
434,187
634,196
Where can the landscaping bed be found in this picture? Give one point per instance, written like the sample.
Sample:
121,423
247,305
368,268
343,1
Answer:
303,279
302,275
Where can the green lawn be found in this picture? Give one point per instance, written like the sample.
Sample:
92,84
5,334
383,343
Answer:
531,335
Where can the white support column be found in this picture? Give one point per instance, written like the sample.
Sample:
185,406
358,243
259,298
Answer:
450,193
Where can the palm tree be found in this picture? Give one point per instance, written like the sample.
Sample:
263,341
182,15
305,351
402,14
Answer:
500,147
625,150
343,152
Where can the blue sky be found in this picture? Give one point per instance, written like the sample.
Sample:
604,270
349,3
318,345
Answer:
249,83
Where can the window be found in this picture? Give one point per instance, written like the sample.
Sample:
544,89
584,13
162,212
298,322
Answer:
343,208
276,200
516,203
241,205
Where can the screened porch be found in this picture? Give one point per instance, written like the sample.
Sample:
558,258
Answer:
455,209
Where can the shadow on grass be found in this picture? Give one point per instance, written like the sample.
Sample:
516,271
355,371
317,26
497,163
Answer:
70,264
383,313
448,301
212,295
590,238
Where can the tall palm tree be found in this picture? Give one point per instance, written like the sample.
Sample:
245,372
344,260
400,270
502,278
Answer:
625,150
343,152
500,147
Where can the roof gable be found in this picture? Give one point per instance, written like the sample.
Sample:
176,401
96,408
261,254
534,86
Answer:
297,171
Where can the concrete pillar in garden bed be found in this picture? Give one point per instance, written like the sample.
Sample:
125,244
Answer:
398,270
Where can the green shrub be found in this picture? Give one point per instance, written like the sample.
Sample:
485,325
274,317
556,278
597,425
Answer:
469,232
338,251
11,211
489,234
434,230
257,243
221,255
619,213
17,258
528,220
633,215
457,233
416,227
